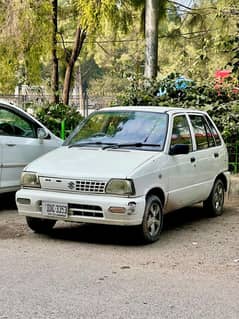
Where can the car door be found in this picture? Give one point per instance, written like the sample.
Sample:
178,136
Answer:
209,154
19,145
181,168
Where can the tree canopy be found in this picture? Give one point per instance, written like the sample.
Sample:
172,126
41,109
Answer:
24,42
194,42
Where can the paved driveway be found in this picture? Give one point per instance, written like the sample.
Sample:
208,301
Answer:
85,271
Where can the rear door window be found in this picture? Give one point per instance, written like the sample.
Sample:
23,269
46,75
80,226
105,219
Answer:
214,132
203,134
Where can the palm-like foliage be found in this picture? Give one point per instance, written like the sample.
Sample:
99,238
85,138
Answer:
22,50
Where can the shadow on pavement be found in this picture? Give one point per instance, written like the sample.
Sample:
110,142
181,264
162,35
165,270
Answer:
7,201
116,235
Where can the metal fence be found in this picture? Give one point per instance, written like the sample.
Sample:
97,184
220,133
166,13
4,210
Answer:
90,103
233,152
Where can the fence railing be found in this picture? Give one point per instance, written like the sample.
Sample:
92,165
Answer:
233,152
91,102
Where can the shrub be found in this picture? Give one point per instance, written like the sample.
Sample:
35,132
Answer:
52,115
223,107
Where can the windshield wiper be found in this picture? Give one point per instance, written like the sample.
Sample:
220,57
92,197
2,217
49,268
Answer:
91,143
113,145
130,145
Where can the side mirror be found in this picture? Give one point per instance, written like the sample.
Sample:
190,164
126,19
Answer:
178,149
42,133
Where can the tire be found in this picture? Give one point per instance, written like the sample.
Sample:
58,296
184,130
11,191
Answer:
40,225
214,204
152,223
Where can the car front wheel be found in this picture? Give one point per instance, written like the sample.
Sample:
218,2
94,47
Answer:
40,225
214,204
152,224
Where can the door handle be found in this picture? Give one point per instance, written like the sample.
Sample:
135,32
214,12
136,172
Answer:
193,159
216,155
10,145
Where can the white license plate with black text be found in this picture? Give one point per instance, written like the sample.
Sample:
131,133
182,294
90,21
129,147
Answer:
54,209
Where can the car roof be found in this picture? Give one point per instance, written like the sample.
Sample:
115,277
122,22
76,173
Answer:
12,106
158,109
5,102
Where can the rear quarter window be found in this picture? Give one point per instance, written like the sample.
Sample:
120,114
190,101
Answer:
214,131
205,132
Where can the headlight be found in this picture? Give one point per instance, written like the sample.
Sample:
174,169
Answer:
30,180
120,187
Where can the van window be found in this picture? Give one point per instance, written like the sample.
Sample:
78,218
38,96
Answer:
181,132
214,131
203,135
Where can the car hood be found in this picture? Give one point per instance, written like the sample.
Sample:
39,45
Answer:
85,162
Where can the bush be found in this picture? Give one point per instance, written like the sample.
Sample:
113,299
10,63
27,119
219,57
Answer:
222,106
52,115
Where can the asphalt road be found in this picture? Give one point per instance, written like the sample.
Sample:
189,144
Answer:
86,271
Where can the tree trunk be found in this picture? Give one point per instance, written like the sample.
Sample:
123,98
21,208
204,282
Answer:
81,93
78,43
55,74
151,38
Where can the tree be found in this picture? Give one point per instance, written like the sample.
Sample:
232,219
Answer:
24,41
151,38
55,71
78,43
198,40
93,16
192,41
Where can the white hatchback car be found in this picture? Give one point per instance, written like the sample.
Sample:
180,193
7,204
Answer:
128,166
22,139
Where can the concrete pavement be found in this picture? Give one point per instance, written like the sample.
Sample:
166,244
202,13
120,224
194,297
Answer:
234,187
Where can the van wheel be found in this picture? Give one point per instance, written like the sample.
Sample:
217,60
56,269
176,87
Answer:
214,204
152,224
40,225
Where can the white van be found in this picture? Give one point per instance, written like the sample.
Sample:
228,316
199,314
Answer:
128,166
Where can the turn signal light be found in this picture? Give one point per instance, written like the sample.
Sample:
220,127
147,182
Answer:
117,210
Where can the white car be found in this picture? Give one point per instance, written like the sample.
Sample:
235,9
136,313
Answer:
22,139
128,166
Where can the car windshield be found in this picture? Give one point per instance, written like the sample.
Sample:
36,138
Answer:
129,129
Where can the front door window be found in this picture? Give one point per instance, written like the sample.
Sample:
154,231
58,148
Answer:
181,132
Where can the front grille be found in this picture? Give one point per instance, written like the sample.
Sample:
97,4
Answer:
86,210
79,185
90,186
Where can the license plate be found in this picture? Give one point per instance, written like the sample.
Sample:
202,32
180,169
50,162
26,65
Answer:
54,209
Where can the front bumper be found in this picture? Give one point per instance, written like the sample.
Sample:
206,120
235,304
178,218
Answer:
83,208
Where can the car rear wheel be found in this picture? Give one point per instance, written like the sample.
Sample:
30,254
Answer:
152,224
214,204
40,225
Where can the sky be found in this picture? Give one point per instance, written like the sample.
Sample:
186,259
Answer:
186,2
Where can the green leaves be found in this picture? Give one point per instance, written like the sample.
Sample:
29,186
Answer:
223,106
24,36
96,15
52,115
